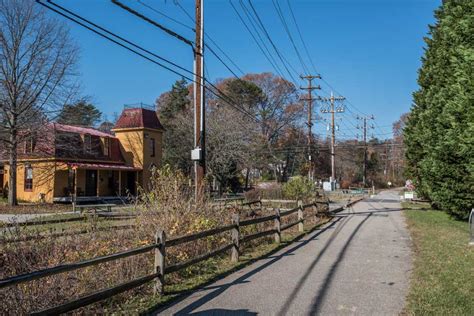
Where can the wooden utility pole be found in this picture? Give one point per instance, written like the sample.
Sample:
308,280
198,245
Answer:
364,128
333,110
199,152
310,99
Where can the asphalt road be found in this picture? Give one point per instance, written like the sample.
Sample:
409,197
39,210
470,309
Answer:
359,264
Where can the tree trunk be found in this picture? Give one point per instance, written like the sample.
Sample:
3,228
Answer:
12,161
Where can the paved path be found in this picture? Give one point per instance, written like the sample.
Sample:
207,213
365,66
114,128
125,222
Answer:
359,264
21,218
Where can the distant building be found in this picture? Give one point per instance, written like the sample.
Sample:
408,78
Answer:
58,161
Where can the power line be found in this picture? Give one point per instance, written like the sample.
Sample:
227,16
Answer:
268,57
210,39
271,41
166,16
158,25
118,37
154,23
218,94
300,35
277,7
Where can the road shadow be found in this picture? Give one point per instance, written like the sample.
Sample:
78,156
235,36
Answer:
217,290
320,296
223,312
367,213
304,277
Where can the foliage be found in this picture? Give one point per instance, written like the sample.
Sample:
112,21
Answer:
398,150
442,277
239,141
81,113
36,78
439,134
299,188
106,127
176,116
173,102
169,205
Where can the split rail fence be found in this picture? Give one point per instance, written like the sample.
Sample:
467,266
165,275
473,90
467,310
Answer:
159,248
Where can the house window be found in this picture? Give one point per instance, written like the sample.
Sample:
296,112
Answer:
152,147
28,178
87,143
106,146
30,144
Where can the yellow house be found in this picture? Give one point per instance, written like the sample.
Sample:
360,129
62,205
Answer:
61,161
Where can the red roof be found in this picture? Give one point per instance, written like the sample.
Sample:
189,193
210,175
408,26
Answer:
80,130
138,117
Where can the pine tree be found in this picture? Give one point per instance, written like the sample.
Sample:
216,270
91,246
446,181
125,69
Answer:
173,102
81,113
175,115
440,130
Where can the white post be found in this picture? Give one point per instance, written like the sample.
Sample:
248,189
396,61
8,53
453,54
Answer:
471,227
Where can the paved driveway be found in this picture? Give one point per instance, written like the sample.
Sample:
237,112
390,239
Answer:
359,264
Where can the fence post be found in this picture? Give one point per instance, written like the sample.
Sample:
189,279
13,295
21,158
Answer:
160,256
300,216
277,226
315,209
235,238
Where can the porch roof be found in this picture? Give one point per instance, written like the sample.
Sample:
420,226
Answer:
100,166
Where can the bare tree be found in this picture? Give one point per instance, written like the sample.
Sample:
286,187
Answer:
37,59
230,135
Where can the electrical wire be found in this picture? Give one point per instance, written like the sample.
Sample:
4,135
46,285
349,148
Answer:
279,11
218,94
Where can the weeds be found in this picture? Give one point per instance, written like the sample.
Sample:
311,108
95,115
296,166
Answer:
168,205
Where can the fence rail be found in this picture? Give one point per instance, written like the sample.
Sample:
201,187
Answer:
159,248
4,240
67,220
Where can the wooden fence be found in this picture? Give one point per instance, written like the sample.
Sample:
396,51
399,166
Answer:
67,220
159,248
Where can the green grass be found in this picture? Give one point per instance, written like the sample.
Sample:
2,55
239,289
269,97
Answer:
443,276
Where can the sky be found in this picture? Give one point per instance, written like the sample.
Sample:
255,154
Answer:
366,50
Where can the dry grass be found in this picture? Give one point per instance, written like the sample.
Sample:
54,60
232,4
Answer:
34,208
168,206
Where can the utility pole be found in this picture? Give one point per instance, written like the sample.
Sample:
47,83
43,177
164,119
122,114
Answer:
310,99
364,128
333,111
199,152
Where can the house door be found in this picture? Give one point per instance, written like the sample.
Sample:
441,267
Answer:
91,182
131,182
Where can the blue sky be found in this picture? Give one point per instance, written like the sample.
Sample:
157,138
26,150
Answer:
368,50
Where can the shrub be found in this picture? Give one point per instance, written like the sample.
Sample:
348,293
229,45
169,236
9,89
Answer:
299,188
439,134
168,205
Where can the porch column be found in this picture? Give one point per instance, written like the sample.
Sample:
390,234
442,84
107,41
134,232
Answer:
120,183
97,183
74,195
137,183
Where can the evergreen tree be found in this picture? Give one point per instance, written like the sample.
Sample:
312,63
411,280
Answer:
175,114
81,113
173,102
439,135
